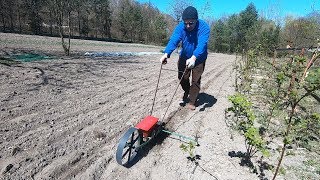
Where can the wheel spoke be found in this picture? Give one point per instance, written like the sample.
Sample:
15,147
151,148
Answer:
128,146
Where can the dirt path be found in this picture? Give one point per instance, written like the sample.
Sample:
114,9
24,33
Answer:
62,119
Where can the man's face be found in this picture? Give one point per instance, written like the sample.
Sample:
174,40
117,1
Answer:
190,24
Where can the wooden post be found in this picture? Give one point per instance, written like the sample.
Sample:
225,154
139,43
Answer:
274,57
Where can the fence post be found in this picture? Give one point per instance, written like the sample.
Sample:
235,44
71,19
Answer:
274,57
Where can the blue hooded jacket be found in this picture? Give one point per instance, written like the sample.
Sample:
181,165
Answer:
193,42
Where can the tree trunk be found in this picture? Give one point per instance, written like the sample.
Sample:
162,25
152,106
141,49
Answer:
51,23
79,21
19,21
2,8
285,143
280,161
11,21
59,12
3,23
69,29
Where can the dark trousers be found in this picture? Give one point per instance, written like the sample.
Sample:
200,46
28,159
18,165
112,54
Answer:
193,89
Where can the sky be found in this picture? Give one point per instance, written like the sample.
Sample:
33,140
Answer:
271,9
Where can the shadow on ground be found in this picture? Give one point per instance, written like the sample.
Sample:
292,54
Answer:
246,161
144,151
205,101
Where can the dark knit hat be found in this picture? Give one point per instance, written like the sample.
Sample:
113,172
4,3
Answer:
190,13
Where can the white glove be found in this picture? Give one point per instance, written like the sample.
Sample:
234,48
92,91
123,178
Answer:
191,62
164,58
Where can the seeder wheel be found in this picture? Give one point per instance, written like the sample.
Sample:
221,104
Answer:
128,146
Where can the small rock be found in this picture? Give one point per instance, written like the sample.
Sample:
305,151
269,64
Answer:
9,166
15,150
99,135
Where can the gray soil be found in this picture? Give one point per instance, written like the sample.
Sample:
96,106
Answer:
62,118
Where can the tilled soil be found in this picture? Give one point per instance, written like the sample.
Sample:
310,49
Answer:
63,118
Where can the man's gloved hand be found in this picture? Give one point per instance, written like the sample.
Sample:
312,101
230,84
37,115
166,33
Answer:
191,62
164,58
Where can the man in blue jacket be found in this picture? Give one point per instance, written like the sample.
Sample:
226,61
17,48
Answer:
194,34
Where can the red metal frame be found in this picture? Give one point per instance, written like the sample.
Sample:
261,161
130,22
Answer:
147,124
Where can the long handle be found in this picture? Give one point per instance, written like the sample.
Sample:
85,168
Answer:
174,94
155,92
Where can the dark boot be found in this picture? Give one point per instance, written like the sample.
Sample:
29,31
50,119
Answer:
184,100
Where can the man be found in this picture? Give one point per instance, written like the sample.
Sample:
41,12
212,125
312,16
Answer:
194,34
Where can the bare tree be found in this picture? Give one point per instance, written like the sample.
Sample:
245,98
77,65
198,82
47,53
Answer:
106,18
274,11
21,13
7,14
205,11
11,14
177,8
78,6
62,9
2,13
101,17
33,14
300,32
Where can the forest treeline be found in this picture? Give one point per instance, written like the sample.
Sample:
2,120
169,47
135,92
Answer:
247,30
120,20
131,21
